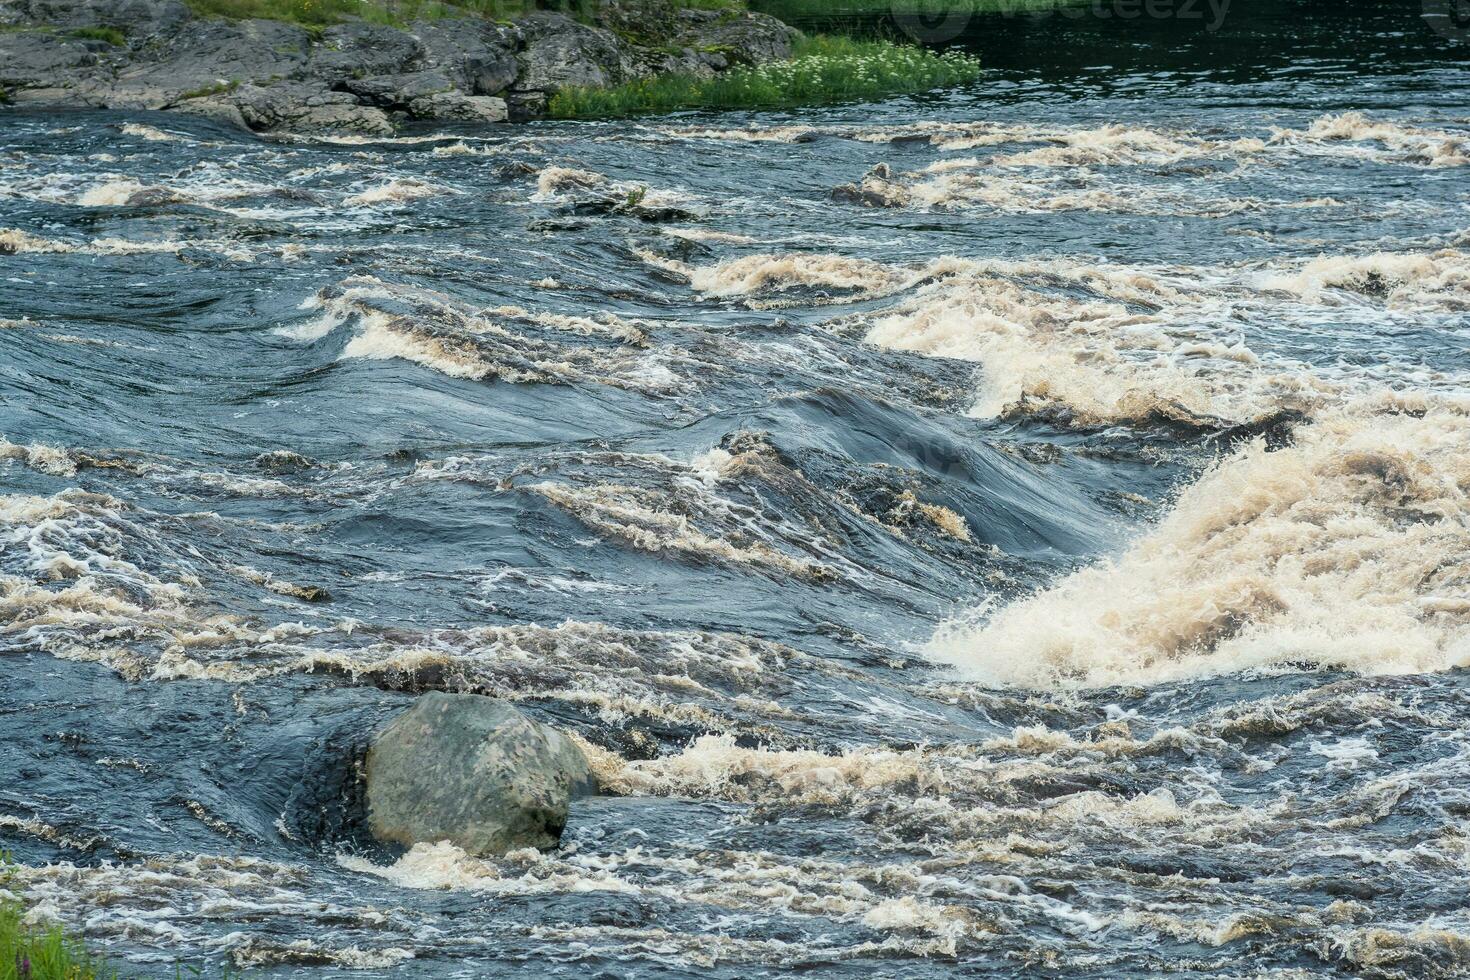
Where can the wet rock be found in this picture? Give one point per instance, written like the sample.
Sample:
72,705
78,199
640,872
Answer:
458,106
307,107
474,771
151,197
526,105
560,52
877,189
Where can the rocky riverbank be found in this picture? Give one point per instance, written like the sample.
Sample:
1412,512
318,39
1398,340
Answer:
270,75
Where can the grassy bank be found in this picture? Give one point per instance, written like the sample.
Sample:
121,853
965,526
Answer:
822,69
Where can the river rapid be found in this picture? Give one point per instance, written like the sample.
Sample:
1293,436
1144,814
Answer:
1021,531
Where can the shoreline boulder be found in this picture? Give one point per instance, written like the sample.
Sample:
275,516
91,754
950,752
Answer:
474,771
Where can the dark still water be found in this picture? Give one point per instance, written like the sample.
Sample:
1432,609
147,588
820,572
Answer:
1017,532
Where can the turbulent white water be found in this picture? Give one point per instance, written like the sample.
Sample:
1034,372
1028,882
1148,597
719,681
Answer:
1016,532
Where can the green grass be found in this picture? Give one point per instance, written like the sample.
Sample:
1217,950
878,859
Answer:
28,953
111,35
822,69
217,88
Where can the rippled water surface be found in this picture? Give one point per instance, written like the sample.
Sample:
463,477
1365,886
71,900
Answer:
1015,532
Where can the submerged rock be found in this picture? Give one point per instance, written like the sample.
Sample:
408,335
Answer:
474,771
877,189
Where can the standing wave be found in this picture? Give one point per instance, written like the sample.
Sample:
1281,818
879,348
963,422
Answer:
1349,549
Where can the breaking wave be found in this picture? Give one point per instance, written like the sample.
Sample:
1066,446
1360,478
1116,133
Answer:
1346,550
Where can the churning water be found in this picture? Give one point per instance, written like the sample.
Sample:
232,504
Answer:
1017,532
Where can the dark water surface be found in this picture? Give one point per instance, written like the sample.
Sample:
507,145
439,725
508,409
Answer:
1048,555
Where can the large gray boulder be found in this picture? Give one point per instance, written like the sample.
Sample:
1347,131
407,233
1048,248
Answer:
477,55
744,39
473,771
559,52
298,107
455,106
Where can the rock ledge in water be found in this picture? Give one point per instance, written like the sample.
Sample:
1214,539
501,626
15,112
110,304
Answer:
474,771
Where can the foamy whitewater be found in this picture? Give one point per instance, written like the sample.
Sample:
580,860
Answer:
1015,532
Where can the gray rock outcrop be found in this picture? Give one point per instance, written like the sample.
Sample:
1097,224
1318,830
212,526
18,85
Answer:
211,54
40,61
356,76
560,52
474,771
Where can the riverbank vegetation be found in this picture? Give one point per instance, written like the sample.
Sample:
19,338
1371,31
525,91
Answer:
821,69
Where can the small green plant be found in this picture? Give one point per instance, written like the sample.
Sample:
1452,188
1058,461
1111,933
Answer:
111,35
215,88
822,69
